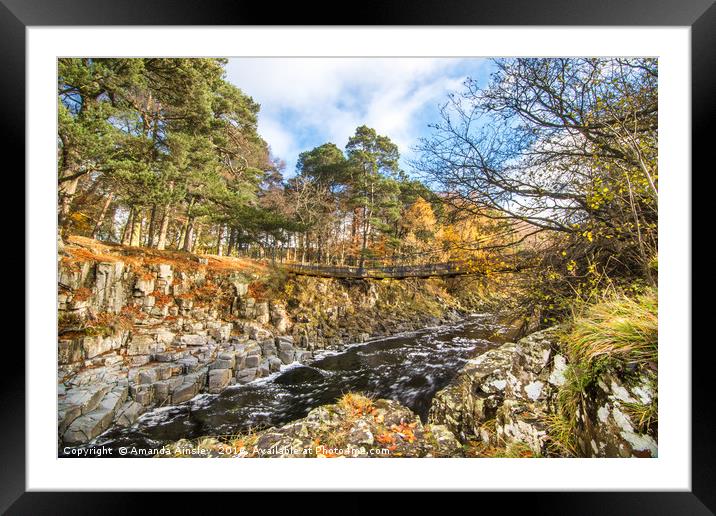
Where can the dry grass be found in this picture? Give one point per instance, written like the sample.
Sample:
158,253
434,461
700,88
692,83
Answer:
82,249
644,415
617,328
355,404
512,450
562,435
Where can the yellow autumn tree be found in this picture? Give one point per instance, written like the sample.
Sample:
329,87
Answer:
419,225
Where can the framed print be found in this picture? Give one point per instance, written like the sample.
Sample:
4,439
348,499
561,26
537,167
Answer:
431,239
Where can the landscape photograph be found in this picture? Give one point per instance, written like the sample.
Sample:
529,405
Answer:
357,257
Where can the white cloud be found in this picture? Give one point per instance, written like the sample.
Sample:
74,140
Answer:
309,101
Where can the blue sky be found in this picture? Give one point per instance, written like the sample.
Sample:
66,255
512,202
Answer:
306,102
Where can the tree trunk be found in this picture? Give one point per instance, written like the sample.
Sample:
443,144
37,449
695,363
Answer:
102,215
127,233
182,233
186,239
162,242
135,238
66,191
232,241
364,242
219,238
194,246
150,231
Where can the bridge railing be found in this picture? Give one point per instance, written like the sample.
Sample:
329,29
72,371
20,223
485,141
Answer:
392,271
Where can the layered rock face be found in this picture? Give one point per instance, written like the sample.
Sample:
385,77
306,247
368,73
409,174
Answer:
135,336
162,348
509,395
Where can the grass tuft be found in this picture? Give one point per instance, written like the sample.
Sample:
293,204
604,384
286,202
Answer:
618,328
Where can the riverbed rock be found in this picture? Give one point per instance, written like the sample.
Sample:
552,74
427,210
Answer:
354,427
607,426
89,425
69,351
274,364
219,380
246,375
184,392
128,413
474,396
286,356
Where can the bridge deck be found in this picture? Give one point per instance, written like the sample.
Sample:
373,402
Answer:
396,272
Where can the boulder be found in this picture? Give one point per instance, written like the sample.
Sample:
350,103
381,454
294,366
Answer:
90,425
87,427
140,344
284,344
221,363
303,356
474,396
607,427
184,392
162,392
241,288
286,356
66,413
274,364
86,398
252,361
262,312
139,360
165,337
147,376
360,433
69,351
143,394
128,413
279,318
246,375
143,286
221,332
193,340
95,345
517,421
219,380
164,271
268,348
264,369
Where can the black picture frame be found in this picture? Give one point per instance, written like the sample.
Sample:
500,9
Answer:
700,15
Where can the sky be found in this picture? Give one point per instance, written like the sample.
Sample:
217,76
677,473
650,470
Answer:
306,102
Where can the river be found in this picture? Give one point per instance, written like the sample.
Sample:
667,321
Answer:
409,368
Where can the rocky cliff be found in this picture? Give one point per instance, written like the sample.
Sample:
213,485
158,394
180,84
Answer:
513,394
139,329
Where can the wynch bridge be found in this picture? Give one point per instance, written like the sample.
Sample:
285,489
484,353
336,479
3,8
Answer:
447,269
